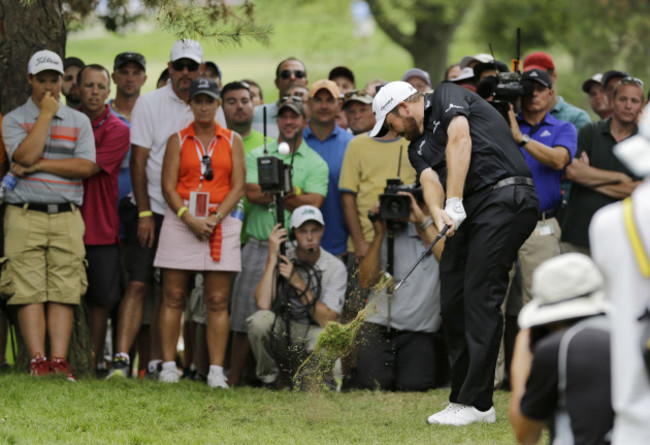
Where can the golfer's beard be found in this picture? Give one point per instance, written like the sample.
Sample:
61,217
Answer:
412,130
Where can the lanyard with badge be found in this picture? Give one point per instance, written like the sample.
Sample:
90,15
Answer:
200,201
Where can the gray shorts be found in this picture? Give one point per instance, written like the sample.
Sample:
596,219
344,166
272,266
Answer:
253,260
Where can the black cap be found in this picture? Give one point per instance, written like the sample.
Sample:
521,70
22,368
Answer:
213,66
203,85
73,61
122,58
609,75
341,71
497,64
538,75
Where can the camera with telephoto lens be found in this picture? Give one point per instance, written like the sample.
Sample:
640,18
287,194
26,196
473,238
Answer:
273,175
393,205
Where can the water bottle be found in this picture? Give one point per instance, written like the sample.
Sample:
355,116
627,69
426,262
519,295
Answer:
238,211
8,183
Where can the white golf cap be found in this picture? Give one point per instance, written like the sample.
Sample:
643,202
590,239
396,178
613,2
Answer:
634,152
480,58
45,60
306,213
565,287
386,99
186,49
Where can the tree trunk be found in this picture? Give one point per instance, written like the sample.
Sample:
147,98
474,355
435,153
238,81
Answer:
429,48
25,30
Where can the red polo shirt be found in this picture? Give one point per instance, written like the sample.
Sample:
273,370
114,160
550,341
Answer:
99,209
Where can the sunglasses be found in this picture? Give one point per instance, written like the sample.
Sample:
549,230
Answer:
286,74
209,174
358,93
295,99
181,64
634,80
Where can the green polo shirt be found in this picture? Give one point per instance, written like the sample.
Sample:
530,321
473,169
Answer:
252,141
309,172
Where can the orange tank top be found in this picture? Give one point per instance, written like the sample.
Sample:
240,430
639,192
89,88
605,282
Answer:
192,151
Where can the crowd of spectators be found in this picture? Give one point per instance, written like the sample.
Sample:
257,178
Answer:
148,210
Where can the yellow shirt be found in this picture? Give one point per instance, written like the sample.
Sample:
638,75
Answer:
367,164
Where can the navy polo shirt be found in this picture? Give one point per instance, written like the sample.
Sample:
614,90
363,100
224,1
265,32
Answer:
551,132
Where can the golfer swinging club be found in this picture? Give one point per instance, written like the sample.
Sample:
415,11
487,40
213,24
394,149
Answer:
471,170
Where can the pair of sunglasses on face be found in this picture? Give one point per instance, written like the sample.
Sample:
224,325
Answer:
181,64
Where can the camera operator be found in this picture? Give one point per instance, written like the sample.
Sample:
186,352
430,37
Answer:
560,369
309,177
463,151
294,310
548,145
400,343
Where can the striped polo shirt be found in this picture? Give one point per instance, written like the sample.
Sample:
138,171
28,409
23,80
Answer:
69,136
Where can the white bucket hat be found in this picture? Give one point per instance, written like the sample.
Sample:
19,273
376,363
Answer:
564,287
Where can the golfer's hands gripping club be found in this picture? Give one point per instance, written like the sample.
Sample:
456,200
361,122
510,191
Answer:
453,215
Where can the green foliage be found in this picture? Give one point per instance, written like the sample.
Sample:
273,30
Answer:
49,410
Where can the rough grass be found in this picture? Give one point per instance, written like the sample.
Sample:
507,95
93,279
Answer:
50,410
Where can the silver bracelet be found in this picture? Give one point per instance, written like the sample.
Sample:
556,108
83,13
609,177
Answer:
427,222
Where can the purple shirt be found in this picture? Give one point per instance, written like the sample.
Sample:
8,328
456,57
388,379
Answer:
552,132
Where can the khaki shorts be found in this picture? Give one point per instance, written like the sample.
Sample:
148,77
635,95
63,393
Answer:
44,257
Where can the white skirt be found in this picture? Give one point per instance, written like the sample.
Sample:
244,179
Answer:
178,248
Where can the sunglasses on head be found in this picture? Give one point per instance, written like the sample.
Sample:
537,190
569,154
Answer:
295,99
634,80
286,74
358,93
209,174
181,64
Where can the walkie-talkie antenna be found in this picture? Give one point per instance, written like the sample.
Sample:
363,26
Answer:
494,59
399,161
516,62
264,126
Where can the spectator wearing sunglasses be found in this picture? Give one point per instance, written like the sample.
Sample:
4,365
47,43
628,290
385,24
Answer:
289,72
156,116
203,180
599,178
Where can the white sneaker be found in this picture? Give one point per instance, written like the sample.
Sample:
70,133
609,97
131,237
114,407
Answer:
433,418
217,380
169,374
460,415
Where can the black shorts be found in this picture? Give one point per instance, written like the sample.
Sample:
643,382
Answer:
139,260
103,276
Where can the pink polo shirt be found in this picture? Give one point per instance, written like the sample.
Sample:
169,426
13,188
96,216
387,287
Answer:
99,209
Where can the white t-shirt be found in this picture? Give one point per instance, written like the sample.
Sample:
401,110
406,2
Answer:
155,117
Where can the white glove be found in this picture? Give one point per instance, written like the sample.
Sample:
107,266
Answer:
454,208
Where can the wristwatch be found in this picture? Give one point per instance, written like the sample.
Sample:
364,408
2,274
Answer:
524,140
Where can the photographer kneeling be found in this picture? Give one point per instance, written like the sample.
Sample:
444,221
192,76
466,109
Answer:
298,294
400,346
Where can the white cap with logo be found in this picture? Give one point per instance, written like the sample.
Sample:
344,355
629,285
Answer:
186,49
386,99
306,213
45,60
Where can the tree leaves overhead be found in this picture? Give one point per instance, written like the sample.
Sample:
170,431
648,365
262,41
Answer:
196,19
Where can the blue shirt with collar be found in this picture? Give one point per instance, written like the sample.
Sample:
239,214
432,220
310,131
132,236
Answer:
551,132
332,150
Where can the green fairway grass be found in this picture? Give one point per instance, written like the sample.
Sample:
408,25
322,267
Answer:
52,410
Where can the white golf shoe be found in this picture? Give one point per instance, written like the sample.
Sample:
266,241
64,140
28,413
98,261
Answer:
457,414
